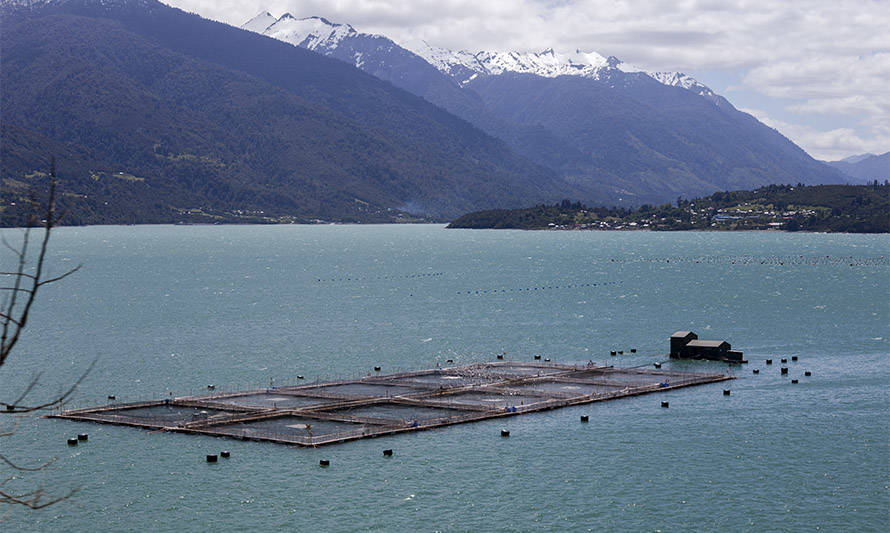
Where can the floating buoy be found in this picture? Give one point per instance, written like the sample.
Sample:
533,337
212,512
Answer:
376,369
299,376
613,352
72,442
620,352
585,418
807,373
726,392
657,365
665,404
449,360
546,359
224,454
793,381
324,462
633,350
756,370
83,436
211,458
537,357
500,356
505,433
794,358
784,359
211,387
387,453
111,397
784,370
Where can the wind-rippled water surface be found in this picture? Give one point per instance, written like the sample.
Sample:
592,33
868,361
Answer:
172,309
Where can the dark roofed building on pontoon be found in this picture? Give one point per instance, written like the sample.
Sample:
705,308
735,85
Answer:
686,345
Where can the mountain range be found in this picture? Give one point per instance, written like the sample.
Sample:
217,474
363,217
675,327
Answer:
863,168
157,115
628,135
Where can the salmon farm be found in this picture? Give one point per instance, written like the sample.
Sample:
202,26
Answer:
318,414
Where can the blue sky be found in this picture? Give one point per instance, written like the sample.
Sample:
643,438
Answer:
816,70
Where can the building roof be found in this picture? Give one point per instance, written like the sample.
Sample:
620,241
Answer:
682,334
706,344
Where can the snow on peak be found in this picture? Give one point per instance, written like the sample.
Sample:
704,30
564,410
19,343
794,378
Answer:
547,63
678,79
322,35
311,32
461,65
259,23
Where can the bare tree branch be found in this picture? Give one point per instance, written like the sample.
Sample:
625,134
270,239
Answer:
23,468
17,300
33,499
61,399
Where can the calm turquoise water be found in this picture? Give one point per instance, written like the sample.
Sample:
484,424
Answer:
168,308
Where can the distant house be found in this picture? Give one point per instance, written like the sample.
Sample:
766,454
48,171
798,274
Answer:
686,345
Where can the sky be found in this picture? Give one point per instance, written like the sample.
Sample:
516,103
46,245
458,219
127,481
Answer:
816,70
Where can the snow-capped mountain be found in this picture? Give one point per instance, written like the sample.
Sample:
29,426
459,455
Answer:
631,135
321,35
260,22
314,33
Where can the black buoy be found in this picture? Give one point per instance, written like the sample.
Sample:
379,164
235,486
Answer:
794,358
537,357
633,350
756,370
211,387
784,370
72,442
111,397
376,369
83,436
505,433
387,453
784,359
726,392
211,458
585,418
225,454
500,356
769,361
613,352
657,365
449,360
807,373
546,359
793,381
299,376
665,404
324,462
620,352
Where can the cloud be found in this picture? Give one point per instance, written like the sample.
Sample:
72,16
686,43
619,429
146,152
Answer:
833,144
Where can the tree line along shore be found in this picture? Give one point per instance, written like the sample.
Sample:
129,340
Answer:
817,208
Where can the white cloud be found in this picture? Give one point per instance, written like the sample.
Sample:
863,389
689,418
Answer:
821,54
833,144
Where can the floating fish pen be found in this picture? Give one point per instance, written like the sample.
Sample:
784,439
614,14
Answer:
386,404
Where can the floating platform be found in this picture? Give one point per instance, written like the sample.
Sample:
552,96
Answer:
329,413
